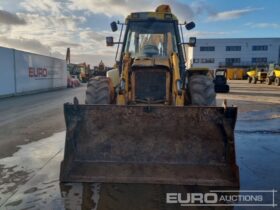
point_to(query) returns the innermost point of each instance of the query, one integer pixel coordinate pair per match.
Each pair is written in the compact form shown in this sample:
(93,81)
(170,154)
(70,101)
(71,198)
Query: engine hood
(151,62)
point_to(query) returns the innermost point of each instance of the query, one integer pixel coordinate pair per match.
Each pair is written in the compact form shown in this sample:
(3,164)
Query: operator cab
(150,39)
(152,56)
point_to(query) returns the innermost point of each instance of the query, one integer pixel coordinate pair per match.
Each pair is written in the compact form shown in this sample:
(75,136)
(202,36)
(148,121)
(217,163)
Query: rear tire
(202,91)
(98,91)
(277,81)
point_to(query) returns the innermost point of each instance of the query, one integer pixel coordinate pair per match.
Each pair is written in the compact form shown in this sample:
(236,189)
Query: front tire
(249,79)
(254,80)
(98,91)
(202,91)
(268,81)
(277,81)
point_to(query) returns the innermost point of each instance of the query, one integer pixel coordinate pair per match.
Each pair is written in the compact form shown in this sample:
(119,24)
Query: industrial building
(233,52)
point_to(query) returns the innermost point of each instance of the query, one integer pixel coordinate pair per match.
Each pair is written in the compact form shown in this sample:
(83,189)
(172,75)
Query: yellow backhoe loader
(151,120)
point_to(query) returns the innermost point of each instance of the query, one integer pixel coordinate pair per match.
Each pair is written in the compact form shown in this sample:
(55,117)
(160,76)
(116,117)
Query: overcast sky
(50,26)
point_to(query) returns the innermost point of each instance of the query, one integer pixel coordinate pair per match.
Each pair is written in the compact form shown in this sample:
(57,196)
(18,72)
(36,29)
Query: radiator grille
(150,85)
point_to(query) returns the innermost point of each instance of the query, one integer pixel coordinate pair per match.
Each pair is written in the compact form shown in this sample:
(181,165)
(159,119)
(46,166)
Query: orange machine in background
(236,73)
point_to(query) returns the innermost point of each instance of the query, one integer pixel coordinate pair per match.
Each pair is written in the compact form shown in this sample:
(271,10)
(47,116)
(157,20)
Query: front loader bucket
(150,144)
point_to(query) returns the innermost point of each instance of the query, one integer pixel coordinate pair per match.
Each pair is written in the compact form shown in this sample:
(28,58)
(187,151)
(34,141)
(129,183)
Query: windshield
(220,73)
(149,39)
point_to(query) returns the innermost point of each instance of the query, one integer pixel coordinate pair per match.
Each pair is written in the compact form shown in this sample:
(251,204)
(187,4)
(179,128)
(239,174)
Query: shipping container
(7,72)
(24,72)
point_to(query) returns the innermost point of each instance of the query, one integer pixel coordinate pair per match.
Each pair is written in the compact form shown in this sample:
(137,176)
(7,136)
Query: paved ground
(29,118)
(251,97)
(29,173)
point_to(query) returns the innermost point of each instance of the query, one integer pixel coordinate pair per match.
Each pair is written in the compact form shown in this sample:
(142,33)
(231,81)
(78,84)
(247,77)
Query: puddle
(30,178)
(18,169)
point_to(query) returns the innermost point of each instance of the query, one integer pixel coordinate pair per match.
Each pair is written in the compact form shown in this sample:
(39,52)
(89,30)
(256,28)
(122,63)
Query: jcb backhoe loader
(150,120)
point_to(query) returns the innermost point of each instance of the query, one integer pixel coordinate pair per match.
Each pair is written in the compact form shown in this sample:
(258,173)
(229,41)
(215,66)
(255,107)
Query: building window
(195,60)
(259,60)
(207,48)
(260,48)
(207,60)
(232,60)
(233,48)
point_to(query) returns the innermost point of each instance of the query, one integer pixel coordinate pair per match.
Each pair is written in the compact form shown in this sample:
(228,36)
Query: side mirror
(190,25)
(192,41)
(109,41)
(114,26)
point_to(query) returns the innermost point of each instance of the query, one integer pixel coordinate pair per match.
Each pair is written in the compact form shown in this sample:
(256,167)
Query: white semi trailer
(23,72)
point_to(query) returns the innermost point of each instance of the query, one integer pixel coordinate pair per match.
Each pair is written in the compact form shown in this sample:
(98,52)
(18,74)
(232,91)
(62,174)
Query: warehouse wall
(7,73)
(23,72)
(246,53)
